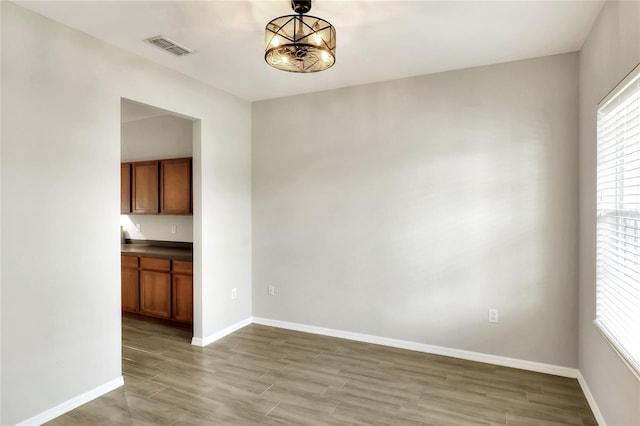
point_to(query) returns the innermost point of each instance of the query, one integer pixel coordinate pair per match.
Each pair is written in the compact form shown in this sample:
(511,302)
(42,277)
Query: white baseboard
(197,341)
(73,403)
(591,400)
(422,347)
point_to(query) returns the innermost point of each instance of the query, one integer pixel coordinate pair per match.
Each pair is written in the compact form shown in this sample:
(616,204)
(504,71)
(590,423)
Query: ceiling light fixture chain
(300,43)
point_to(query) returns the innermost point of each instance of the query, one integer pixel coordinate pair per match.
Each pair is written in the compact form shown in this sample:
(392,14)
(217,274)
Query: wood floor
(261,376)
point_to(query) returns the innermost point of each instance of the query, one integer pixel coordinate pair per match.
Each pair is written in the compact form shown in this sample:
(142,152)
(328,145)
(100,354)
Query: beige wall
(611,51)
(407,209)
(61,93)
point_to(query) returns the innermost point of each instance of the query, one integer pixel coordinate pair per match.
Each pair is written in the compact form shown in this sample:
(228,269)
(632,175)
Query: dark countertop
(158,249)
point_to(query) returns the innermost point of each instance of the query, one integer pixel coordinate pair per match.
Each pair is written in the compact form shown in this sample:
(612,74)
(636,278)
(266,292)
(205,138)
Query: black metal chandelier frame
(300,43)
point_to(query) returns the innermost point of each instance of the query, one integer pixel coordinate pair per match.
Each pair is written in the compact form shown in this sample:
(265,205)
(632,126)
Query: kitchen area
(156,215)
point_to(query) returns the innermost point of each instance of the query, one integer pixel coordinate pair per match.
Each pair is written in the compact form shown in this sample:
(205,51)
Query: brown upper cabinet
(156,187)
(144,187)
(125,188)
(175,186)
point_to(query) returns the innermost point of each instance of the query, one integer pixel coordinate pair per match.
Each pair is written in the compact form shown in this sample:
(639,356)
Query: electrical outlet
(493,315)
(272,290)
(234,293)
(174,228)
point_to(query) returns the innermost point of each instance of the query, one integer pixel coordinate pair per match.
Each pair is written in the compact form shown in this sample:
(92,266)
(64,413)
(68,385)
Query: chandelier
(300,43)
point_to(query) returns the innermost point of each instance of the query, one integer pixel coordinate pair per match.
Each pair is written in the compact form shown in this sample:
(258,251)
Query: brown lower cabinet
(129,284)
(158,288)
(182,286)
(155,294)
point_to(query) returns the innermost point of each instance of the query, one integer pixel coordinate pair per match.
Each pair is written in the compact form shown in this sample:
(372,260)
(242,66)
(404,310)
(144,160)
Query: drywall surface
(407,209)
(610,52)
(60,206)
(157,138)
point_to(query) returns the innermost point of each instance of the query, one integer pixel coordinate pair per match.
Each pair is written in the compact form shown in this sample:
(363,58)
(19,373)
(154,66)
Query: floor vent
(169,45)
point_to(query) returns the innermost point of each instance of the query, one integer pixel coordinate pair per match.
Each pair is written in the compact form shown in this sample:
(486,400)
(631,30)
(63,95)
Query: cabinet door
(155,293)
(175,186)
(144,187)
(183,298)
(125,188)
(129,289)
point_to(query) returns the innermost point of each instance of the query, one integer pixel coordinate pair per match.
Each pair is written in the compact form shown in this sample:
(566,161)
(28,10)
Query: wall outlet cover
(493,315)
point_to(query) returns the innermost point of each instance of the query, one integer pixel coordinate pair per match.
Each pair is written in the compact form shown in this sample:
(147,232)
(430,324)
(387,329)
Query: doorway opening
(157,148)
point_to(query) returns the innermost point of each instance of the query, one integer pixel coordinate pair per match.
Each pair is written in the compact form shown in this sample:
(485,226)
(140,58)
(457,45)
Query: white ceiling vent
(169,45)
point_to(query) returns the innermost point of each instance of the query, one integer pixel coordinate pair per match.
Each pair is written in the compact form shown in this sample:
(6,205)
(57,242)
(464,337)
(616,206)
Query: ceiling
(377,40)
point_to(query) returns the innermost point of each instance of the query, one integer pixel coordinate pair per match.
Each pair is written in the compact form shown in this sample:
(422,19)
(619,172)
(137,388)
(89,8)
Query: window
(618,219)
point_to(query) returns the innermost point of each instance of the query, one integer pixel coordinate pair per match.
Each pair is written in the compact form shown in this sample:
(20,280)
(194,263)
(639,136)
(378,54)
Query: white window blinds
(618,219)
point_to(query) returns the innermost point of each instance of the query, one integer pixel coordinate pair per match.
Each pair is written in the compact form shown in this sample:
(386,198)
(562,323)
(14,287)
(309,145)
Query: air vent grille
(169,45)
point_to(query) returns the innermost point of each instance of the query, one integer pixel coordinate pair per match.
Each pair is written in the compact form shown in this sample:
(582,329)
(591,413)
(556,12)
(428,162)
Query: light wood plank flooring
(261,376)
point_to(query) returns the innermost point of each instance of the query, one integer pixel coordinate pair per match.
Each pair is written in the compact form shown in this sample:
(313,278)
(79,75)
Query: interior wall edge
(610,52)
(207,340)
